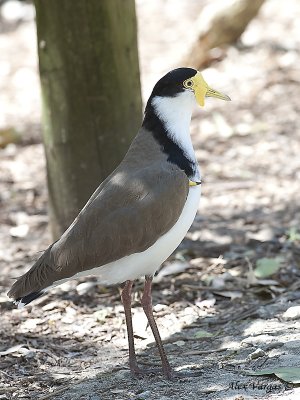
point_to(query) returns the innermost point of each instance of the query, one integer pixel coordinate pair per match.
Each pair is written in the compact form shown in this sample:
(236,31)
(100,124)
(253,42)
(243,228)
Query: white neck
(176,114)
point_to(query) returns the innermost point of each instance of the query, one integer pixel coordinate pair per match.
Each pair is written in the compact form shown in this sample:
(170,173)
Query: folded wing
(129,214)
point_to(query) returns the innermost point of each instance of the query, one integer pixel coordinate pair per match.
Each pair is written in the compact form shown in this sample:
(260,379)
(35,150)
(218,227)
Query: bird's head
(186,81)
(169,110)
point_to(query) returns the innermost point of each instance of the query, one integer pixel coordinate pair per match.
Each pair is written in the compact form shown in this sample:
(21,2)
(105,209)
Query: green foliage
(266,267)
(287,374)
(293,234)
(203,334)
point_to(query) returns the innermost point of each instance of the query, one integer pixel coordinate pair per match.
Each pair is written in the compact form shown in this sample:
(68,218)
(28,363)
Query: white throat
(176,114)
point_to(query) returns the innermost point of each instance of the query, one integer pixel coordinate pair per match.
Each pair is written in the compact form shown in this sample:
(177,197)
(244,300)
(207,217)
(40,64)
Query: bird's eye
(188,83)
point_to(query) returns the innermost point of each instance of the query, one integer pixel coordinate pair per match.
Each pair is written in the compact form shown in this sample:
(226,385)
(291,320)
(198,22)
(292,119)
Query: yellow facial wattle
(201,89)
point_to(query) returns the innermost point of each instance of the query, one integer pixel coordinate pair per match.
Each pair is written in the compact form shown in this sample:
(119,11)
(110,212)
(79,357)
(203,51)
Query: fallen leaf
(85,287)
(11,350)
(19,231)
(202,334)
(100,315)
(287,374)
(173,268)
(256,354)
(267,266)
(7,136)
(50,306)
(180,343)
(218,282)
(267,282)
(291,313)
(232,294)
(293,234)
(30,324)
(208,303)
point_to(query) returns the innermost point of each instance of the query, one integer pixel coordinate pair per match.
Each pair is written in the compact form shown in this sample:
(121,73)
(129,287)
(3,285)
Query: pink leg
(126,300)
(147,306)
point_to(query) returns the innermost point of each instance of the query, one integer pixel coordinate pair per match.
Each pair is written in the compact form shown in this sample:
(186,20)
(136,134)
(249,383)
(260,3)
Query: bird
(139,214)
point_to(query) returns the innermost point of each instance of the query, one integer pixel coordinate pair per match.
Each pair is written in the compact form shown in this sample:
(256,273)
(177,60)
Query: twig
(201,352)
(196,287)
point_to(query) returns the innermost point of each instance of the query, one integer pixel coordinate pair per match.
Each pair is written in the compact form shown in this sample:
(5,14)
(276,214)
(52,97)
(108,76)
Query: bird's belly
(147,262)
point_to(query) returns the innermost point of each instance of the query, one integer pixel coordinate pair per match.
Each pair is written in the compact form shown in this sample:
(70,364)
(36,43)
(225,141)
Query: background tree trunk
(91,96)
(220,23)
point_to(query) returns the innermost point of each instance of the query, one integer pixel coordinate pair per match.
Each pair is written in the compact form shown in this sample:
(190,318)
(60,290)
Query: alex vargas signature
(260,385)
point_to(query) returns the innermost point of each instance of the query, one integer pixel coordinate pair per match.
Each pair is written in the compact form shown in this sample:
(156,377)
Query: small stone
(159,307)
(257,340)
(143,395)
(256,354)
(218,283)
(30,354)
(66,286)
(179,343)
(85,287)
(292,313)
(70,311)
(117,391)
(140,323)
(50,306)
(19,231)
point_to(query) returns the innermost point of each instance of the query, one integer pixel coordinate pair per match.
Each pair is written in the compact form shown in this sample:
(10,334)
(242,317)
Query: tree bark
(91,97)
(220,23)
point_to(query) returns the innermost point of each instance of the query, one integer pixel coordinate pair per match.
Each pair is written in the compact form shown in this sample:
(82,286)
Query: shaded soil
(215,316)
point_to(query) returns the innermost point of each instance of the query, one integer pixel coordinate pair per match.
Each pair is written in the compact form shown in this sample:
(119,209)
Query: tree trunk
(220,23)
(91,96)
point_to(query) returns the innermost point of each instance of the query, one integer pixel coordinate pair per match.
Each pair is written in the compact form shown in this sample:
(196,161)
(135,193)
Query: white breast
(147,262)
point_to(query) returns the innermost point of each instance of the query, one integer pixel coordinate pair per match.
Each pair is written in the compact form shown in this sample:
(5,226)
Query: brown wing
(127,216)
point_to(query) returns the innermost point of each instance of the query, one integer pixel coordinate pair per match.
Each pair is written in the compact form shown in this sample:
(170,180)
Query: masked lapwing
(138,215)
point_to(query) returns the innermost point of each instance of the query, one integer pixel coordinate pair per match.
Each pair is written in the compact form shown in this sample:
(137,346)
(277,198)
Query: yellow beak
(214,93)
(202,90)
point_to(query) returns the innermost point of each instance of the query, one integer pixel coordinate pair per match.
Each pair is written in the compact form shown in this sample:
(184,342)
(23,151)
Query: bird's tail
(33,284)
(23,301)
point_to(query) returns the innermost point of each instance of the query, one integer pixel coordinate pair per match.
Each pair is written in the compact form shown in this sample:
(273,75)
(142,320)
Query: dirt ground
(217,317)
